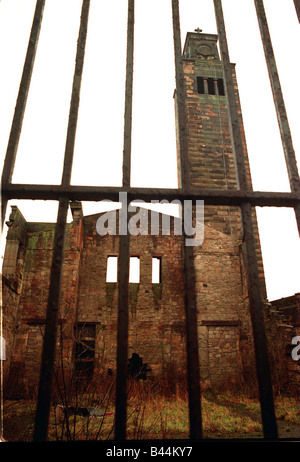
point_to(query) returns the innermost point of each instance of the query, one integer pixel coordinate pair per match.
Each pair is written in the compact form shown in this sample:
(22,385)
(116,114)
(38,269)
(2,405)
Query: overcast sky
(99,141)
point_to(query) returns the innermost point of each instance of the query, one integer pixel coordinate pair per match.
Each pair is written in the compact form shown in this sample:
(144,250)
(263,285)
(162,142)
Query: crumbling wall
(26,336)
(156,310)
(10,303)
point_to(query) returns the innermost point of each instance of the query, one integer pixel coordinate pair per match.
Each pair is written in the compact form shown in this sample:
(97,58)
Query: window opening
(221,89)
(200,85)
(112,269)
(156,270)
(134,269)
(211,86)
(2,349)
(85,335)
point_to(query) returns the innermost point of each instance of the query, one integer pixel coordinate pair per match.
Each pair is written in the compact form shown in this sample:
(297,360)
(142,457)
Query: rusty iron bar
(128,95)
(255,299)
(122,339)
(297,6)
(49,345)
(20,107)
(98,193)
(124,245)
(50,335)
(282,117)
(192,349)
(183,164)
(14,137)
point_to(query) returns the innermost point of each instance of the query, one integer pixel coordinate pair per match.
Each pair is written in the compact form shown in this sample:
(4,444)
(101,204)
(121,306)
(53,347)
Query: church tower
(211,160)
(224,327)
(210,153)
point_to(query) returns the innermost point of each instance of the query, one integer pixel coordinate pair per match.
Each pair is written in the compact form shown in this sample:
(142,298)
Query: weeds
(153,412)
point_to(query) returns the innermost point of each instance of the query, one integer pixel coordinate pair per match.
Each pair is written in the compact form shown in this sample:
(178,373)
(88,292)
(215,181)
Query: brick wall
(156,311)
(211,158)
(10,297)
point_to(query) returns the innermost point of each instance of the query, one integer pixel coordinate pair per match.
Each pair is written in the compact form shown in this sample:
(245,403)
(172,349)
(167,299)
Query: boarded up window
(85,335)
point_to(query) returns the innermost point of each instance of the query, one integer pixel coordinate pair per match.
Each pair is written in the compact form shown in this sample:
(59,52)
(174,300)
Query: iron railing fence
(243,197)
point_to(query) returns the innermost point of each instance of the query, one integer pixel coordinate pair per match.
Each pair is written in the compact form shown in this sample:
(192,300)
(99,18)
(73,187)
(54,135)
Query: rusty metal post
(12,147)
(282,118)
(18,117)
(193,372)
(255,299)
(49,346)
(98,193)
(192,347)
(50,335)
(122,338)
(180,101)
(124,245)
(128,95)
(297,6)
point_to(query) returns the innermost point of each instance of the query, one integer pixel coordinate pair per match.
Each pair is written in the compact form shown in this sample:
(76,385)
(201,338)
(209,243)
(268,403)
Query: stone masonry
(86,344)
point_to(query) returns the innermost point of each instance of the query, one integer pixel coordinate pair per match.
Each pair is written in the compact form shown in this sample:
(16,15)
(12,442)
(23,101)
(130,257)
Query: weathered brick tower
(222,299)
(88,306)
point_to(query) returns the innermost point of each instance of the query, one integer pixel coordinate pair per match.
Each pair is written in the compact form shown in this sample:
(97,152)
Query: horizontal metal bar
(100,193)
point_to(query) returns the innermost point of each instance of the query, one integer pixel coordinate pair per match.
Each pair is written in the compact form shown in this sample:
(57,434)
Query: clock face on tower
(205,52)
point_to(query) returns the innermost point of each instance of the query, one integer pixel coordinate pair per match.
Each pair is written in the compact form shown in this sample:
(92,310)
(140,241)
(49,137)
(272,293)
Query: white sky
(99,141)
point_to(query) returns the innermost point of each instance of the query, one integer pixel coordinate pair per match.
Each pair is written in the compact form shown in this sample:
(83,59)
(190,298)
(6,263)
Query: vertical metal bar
(192,347)
(255,300)
(128,95)
(180,100)
(14,138)
(16,127)
(282,118)
(122,339)
(193,372)
(297,6)
(49,346)
(124,245)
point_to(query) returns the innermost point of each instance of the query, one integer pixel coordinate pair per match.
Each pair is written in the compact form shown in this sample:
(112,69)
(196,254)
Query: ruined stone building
(88,307)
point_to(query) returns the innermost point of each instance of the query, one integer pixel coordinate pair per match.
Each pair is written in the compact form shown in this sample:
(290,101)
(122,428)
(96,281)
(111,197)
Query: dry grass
(155,415)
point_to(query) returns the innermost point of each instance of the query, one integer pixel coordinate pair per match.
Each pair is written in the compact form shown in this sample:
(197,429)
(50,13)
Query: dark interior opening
(221,88)
(211,86)
(136,368)
(200,85)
